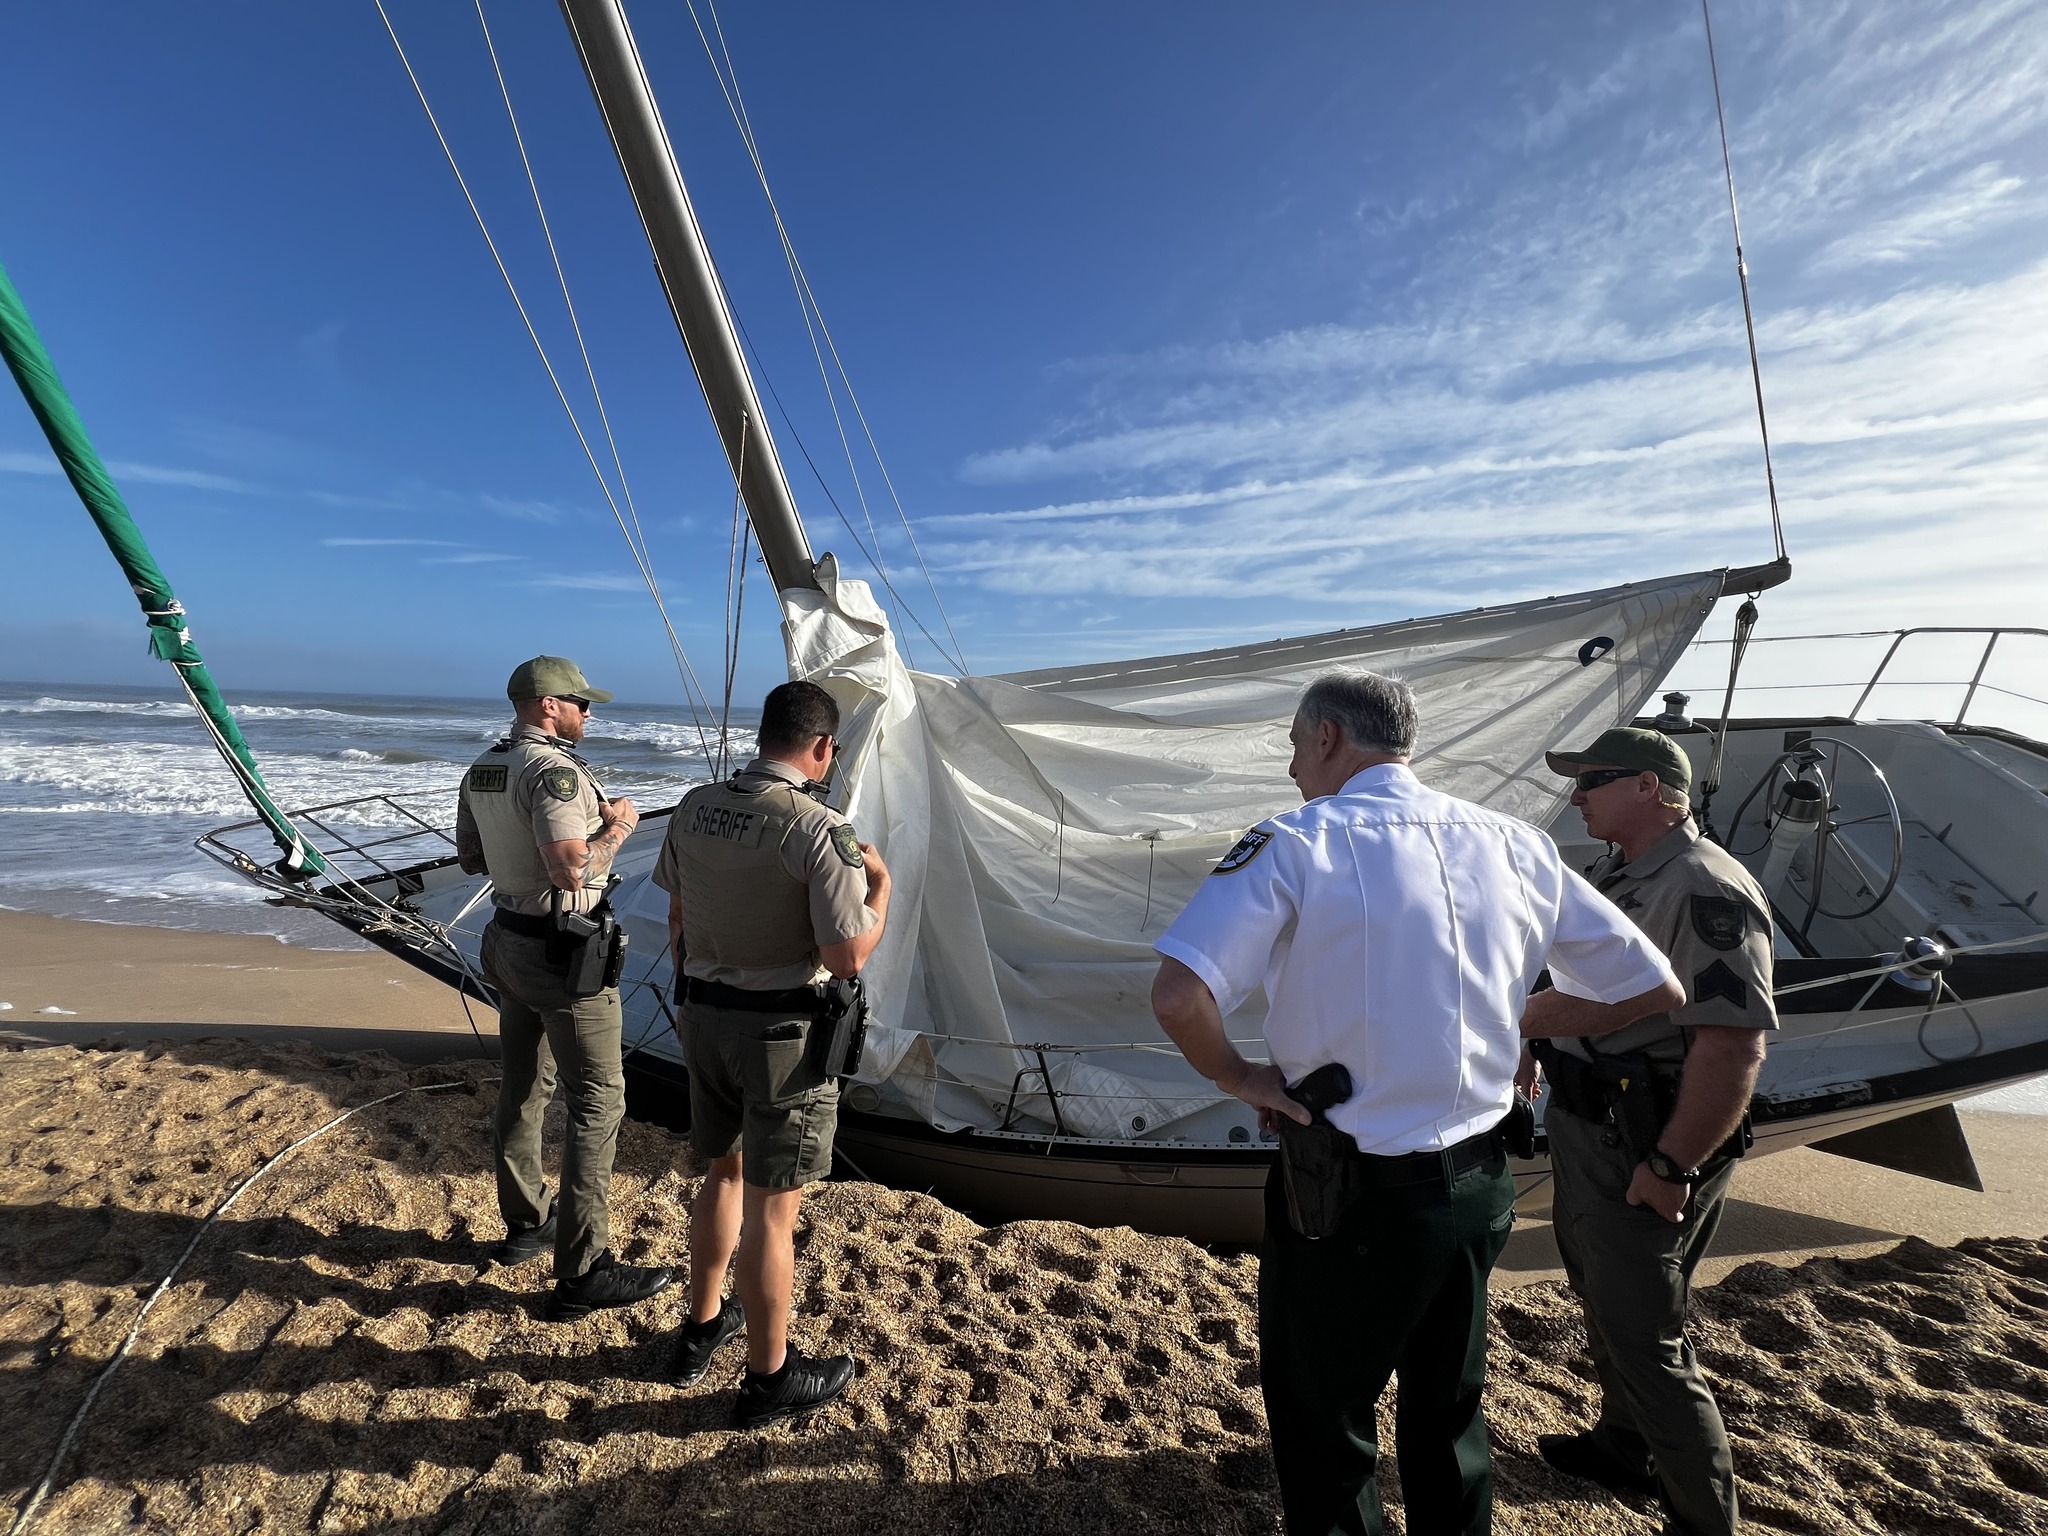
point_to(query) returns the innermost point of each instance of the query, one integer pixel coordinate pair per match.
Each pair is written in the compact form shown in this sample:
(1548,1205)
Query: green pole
(169,638)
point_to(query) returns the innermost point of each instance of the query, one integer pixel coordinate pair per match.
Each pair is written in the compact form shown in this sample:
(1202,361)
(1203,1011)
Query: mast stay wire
(762,373)
(807,303)
(575,424)
(693,689)
(1756,374)
(736,557)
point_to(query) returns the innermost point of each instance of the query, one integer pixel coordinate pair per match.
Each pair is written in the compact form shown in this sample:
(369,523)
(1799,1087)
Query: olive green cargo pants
(542,1032)
(1400,1286)
(1633,1271)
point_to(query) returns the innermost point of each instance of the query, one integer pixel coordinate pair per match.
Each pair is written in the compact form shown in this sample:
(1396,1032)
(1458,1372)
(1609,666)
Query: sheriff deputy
(1633,1221)
(1397,932)
(771,894)
(533,818)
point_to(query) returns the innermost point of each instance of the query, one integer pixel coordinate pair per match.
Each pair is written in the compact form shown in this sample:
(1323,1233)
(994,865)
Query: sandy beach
(334,1357)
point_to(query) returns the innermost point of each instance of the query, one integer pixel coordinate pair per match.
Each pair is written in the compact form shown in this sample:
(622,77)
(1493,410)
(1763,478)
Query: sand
(335,1359)
(119,974)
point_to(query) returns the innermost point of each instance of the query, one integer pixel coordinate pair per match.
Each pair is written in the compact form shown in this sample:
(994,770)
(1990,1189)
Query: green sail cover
(169,638)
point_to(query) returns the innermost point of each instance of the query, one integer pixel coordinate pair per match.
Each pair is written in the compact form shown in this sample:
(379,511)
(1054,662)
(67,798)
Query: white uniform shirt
(1399,930)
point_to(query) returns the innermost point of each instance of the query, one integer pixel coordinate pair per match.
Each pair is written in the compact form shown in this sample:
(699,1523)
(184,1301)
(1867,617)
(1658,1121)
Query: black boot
(698,1342)
(524,1243)
(607,1283)
(804,1382)
(1584,1456)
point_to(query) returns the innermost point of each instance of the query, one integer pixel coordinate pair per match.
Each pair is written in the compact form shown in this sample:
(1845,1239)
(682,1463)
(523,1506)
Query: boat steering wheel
(1810,763)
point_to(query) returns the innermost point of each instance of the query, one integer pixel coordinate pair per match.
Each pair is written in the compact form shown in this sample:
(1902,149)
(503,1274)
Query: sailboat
(1044,826)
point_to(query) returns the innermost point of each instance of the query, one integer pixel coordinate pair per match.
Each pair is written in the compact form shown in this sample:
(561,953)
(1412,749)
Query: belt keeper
(1443,1159)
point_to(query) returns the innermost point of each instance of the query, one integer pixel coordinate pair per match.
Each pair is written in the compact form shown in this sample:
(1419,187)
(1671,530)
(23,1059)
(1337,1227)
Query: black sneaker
(804,1382)
(1583,1456)
(607,1283)
(698,1342)
(524,1243)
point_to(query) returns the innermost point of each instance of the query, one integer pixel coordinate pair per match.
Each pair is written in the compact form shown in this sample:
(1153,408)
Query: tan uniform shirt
(766,875)
(1710,917)
(527,790)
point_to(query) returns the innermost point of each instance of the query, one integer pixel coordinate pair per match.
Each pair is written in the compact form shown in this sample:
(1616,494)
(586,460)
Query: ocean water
(104,789)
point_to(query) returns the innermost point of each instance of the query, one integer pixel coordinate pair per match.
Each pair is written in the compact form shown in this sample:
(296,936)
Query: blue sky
(1176,324)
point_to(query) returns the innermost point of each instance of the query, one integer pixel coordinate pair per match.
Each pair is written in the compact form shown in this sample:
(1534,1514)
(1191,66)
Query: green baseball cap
(1629,746)
(552,677)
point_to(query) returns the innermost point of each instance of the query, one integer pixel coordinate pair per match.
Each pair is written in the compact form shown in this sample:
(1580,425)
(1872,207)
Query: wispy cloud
(16,462)
(525,511)
(472,557)
(598,583)
(1562,399)
(390,543)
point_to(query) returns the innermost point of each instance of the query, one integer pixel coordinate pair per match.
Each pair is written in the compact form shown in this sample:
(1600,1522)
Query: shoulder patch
(488,778)
(562,783)
(1720,921)
(846,843)
(1247,848)
(1717,980)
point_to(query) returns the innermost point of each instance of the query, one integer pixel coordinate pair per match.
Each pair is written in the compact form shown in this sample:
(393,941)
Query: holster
(590,947)
(1319,1165)
(839,1029)
(1518,1130)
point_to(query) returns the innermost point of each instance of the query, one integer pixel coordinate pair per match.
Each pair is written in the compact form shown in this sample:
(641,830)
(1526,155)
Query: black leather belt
(1431,1167)
(525,926)
(716,994)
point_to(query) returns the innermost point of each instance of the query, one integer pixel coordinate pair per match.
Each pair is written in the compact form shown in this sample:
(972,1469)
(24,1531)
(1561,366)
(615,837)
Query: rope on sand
(33,1507)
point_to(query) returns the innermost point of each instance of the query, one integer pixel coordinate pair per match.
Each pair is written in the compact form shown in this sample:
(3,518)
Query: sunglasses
(583,705)
(1593,778)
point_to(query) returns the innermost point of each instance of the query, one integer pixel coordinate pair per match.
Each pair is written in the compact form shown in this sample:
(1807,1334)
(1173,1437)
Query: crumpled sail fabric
(1043,828)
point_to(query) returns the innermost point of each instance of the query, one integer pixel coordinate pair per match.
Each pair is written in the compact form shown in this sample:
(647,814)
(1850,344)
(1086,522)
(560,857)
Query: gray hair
(1375,713)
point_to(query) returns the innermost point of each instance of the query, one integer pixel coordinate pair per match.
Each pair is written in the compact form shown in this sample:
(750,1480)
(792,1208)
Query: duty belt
(1430,1167)
(716,994)
(523,924)
(1581,1089)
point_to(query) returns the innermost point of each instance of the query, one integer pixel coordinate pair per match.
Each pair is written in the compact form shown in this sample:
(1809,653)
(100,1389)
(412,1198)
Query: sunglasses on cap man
(582,705)
(1594,778)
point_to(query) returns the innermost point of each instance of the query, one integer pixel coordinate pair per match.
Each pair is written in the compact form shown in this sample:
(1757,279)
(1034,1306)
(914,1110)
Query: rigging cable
(575,425)
(807,303)
(1756,374)
(692,689)
(762,374)
(735,578)
(27,1515)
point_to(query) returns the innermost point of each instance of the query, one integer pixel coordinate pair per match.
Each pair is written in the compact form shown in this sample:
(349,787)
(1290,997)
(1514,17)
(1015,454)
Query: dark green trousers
(1633,1271)
(1400,1287)
(544,1033)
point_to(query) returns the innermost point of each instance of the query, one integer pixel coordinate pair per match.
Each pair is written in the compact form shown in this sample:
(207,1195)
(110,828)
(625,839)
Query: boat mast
(611,61)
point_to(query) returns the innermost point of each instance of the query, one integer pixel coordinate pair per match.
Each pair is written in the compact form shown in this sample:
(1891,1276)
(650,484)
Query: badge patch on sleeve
(846,843)
(1720,921)
(1247,848)
(1717,980)
(562,783)
(488,778)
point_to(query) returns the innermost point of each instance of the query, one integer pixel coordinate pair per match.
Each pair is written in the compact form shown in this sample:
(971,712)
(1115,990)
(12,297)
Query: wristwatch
(1669,1171)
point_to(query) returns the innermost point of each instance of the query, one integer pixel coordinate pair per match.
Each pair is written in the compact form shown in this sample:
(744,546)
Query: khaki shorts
(751,1087)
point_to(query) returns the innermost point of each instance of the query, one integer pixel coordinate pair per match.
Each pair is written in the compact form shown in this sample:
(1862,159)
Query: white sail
(1043,828)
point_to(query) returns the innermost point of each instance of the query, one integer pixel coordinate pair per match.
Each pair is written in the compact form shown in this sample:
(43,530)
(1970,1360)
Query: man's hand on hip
(1265,1089)
(1660,1195)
